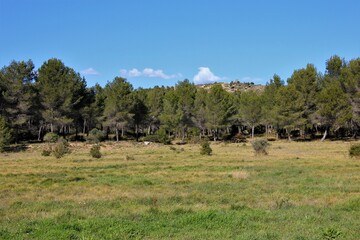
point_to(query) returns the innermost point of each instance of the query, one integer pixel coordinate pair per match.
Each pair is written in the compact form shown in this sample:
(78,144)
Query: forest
(55,98)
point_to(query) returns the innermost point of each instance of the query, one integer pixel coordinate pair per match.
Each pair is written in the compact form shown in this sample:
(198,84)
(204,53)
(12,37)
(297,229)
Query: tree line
(55,98)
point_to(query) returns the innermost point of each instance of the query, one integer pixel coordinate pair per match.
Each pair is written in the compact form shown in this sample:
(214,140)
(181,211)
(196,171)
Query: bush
(260,146)
(61,148)
(331,233)
(160,137)
(95,136)
(163,136)
(46,153)
(51,137)
(95,151)
(205,148)
(355,150)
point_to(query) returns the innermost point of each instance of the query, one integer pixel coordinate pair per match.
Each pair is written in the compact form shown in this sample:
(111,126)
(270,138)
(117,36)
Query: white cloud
(147,72)
(206,76)
(89,71)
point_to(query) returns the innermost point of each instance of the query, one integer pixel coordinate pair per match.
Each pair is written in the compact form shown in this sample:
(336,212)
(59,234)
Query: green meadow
(300,190)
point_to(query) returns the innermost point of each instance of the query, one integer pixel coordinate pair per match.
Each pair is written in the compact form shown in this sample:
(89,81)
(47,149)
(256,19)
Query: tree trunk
(84,127)
(182,134)
(149,130)
(117,134)
(252,131)
(39,134)
(51,127)
(122,132)
(289,135)
(266,130)
(324,136)
(137,132)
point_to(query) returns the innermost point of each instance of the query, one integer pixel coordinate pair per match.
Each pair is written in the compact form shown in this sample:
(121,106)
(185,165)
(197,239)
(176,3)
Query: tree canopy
(55,98)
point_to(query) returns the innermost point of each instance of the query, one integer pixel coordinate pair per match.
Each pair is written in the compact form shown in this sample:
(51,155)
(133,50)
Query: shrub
(331,233)
(51,137)
(61,148)
(128,157)
(161,137)
(260,146)
(95,136)
(46,153)
(95,151)
(205,148)
(355,150)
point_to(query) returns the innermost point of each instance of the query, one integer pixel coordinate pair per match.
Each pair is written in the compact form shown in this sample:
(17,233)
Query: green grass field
(299,191)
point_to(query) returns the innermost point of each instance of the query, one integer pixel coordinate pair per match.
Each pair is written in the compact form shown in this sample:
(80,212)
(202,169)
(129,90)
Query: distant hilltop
(236,86)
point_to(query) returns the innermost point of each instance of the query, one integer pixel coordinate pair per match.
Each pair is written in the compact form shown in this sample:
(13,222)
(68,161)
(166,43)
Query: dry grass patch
(240,175)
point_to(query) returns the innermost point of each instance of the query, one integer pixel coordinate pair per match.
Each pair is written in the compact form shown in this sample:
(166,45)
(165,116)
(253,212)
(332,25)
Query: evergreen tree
(185,92)
(219,109)
(289,109)
(269,101)
(155,104)
(118,105)
(18,101)
(334,109)
(350,82)
(169,118)
(62,92)
(5,134)
(139,111)
(251,109)
(200,110)
(306,82)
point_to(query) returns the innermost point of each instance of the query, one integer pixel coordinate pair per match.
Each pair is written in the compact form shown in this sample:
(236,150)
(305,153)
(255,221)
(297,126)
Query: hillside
(236,86)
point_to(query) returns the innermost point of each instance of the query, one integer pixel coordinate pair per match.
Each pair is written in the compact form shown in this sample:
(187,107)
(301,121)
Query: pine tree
(5,134)
(62,92)
(251,109)
(118,105)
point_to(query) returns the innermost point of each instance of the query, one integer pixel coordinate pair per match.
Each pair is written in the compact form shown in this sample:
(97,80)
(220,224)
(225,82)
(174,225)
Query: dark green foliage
(51,137)
(95,136)
(5,134)
(205,148)
(61,148)
(55,98)
(160,137)
(331,233)
(95,151)
(163,136)
(355,150)
(251,109)
(260,146)
(18,97)
(61,91)
(46,153)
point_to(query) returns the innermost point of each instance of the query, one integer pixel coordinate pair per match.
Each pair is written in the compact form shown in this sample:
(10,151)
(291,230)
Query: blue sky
(160,42)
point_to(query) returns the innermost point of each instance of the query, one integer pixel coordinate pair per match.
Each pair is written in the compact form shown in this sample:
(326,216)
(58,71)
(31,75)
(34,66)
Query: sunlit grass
(134,191)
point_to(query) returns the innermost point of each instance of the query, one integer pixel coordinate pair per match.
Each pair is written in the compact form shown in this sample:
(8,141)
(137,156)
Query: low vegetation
(298,191)
(355,150)
(95,151)
(260,146)
(205,148)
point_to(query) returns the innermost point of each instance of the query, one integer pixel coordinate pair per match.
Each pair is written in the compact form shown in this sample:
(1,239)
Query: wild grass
(307,190)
